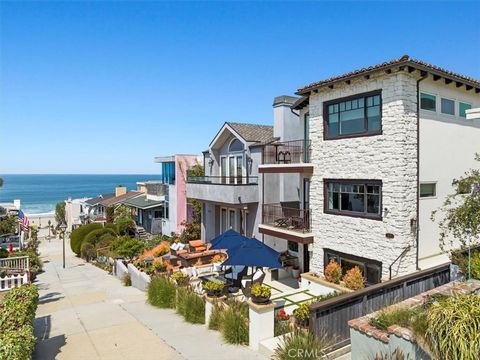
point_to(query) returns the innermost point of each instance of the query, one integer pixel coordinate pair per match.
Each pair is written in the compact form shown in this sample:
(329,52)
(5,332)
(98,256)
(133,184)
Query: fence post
(261,321)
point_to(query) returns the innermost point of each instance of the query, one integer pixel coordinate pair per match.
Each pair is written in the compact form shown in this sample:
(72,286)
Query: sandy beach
(41,221)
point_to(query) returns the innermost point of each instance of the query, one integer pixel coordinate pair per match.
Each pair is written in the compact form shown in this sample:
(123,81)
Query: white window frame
(428,183)
(235,218)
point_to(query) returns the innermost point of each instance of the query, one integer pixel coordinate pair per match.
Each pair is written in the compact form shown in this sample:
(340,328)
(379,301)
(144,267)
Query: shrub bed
(79,234)
(161,292)
(17,312)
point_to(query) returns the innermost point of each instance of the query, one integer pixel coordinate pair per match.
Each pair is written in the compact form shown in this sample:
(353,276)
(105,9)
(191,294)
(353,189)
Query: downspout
(424,75)
(294,113)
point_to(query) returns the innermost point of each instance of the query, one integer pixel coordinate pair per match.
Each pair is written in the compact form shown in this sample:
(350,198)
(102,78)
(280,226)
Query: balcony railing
(287,152)
(285,216)
(223,180)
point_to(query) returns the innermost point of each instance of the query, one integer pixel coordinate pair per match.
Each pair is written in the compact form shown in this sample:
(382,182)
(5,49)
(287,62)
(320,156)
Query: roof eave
(305,91)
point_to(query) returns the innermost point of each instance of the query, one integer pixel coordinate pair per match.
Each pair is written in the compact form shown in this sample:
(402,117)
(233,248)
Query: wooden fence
(330,318)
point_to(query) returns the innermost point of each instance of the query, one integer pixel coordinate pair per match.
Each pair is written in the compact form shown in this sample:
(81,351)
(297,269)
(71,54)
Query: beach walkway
(84,313)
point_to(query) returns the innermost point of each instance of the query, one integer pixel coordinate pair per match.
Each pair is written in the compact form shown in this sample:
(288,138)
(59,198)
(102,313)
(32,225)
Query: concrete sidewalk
(84,313)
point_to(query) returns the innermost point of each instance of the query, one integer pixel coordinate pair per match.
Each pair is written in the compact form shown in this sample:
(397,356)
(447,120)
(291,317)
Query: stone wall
(390,157)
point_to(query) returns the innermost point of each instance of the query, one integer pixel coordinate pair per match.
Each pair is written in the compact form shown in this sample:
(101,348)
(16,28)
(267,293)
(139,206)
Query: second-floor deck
(286,156)
(223,189)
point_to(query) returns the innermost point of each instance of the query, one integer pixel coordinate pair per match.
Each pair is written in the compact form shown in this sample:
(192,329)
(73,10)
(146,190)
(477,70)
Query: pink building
(174,174)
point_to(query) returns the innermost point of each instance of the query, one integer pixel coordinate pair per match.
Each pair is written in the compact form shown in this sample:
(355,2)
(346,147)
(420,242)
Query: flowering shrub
(333,272)
(353,279)
(260,290)
(218,258)
(282,315)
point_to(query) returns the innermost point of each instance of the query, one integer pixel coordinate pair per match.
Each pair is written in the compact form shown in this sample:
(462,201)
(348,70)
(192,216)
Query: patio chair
(235,276)
(248,280)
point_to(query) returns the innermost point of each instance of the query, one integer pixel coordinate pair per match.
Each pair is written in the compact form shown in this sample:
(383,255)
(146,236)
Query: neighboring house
(172,190)
(256,182)
(75,212)
(93,209)
(10,208)
(387,142)
(229,189)
(151,208)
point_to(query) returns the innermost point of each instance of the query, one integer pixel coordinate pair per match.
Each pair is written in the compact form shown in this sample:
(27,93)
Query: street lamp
(49,228)
(63,228)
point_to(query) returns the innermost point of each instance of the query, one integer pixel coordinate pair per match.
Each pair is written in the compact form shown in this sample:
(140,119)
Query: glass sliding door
(223,221)
(231,169)
(231,219)
(223,169)
(239,169)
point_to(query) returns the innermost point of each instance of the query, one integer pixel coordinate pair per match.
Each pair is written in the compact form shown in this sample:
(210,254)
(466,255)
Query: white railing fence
(15,263)
(12,281)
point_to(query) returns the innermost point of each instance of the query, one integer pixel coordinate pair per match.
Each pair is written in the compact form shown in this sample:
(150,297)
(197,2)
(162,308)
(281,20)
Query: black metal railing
(287,152)
(223,180)
(287,215)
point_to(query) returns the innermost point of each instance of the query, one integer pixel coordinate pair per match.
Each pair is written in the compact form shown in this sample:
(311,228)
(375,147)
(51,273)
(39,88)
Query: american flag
(23,221)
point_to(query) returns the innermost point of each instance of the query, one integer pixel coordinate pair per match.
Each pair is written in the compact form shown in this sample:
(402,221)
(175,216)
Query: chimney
(285,123)
(120,190)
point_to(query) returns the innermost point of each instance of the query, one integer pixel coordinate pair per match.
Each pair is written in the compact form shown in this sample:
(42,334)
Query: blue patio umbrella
(230,239)
(252,252)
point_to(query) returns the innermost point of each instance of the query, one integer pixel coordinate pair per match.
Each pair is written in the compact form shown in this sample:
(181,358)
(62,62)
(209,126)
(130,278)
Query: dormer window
(359,115)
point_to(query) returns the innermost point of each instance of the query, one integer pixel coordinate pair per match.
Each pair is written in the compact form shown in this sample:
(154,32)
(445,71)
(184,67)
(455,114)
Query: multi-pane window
(428,102)
(355,116)
(428,190)
(448,106)
(462,108)
(354,198)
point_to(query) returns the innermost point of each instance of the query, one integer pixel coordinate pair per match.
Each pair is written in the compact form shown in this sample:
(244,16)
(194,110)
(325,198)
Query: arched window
(235,145)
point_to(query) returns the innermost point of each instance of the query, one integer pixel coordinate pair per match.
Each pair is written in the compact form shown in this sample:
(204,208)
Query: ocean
(39,193)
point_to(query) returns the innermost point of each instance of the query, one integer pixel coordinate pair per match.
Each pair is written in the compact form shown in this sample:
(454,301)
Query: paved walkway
(84,313)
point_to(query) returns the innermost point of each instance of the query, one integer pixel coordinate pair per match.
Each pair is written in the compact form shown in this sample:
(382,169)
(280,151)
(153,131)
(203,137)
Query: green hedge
(79,234)
(17,312)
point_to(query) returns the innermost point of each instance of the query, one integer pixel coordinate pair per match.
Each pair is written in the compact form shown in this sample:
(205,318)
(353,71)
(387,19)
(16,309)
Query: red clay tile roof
(402,61)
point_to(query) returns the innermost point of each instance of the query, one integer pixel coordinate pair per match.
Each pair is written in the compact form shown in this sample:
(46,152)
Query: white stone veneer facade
(390,157)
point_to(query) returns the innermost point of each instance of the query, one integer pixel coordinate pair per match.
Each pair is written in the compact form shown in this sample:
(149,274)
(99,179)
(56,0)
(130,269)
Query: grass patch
(401,316)
(234,327)
(194,309)
(301,345)
(161,293)
(215,317)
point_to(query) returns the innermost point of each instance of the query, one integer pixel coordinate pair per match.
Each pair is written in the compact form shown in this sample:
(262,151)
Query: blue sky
(103,87)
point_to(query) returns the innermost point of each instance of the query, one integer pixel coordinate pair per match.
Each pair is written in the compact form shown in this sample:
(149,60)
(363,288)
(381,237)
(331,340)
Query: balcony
(287,221)
(286,156)
(234,190)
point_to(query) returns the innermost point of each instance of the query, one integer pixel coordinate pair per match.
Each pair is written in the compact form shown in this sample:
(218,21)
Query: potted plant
(159,266)
(179,278)
(302,314)
(260,293)
(214,288)
(283,317)
(295,271)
